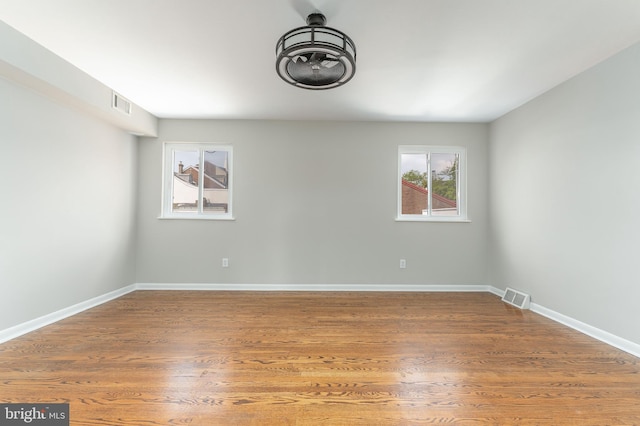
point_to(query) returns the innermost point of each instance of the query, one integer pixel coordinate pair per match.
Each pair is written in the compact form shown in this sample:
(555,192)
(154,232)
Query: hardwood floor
(288,358)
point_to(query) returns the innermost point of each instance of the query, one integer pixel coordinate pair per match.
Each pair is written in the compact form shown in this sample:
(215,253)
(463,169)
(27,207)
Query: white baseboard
(603,336)
(498,292)
(26,327)
(314,287)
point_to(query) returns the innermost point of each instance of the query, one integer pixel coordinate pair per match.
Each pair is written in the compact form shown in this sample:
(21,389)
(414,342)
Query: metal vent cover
(516,298)
(121,104)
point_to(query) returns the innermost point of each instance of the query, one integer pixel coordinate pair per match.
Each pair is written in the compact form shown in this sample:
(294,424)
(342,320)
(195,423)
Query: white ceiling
(417,60)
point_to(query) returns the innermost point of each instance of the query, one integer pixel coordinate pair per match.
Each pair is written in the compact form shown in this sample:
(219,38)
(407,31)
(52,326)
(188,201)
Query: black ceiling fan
(315,56)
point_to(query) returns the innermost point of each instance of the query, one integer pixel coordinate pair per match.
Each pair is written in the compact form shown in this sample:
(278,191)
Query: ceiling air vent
(121,104)
(516,298)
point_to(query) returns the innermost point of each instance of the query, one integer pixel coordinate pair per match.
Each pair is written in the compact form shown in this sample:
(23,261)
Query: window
(432,183)
(197,181)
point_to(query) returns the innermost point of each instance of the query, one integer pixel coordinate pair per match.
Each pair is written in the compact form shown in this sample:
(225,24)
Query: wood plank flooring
(293,358)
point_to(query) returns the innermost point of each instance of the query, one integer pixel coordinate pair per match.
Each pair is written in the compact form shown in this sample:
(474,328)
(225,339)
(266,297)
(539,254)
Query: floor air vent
(516,298)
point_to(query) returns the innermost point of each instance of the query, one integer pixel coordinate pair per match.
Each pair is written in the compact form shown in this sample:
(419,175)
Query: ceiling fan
(315,56)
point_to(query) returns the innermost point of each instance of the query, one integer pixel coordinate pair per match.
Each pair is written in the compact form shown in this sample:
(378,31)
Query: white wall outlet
(225,262)
(403,263)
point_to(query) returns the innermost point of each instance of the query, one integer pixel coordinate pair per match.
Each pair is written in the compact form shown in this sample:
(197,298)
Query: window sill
(418,218)
(229,218)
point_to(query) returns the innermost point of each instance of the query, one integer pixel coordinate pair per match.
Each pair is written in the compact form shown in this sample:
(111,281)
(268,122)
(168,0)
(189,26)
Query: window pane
(414,183)
(185,181)
(444,182)
(216,182)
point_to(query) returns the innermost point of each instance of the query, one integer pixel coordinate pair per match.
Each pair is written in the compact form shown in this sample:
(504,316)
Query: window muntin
(431,183)
(189,194)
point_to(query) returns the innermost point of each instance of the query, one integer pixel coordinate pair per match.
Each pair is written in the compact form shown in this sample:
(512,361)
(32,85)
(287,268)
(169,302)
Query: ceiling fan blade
(329,63)
(323,59)
(301,58)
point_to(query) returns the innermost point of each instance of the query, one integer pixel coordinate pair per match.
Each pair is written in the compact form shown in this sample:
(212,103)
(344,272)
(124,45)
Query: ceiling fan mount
(315,57)
(316,18)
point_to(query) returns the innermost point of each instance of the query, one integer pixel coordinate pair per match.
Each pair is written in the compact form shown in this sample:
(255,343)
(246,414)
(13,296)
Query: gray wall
(68,206)
(565,197)
(315,203)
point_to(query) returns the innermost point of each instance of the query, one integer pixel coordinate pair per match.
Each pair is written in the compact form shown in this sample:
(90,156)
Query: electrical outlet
(403,263)
(225,262)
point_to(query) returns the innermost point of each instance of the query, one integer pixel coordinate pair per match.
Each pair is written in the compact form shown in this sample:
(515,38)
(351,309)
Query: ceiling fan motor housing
(315,57)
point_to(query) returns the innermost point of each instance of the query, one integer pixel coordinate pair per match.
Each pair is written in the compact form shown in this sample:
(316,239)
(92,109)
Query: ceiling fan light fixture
(315,57)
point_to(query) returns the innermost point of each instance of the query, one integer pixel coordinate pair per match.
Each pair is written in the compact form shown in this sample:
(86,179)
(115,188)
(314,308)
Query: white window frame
(461,196)
(169,149)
